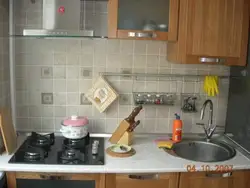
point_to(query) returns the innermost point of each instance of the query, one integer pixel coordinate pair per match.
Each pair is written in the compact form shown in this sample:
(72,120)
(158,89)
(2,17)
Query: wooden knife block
(127,138)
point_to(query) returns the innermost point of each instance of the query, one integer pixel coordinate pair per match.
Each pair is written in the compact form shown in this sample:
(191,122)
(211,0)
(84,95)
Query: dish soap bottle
(177,129)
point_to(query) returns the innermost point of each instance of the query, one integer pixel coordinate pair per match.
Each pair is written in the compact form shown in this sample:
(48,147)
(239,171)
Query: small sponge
(165,144)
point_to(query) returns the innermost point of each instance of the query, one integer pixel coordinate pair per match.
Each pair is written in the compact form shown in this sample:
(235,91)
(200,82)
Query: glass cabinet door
(143,19)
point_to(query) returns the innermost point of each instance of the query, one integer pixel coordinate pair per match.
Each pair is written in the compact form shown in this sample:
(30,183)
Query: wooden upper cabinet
(238,179)
(143,19)
(213,32)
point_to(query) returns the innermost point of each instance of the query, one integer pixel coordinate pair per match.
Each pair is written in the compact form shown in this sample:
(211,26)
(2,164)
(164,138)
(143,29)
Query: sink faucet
(209,130)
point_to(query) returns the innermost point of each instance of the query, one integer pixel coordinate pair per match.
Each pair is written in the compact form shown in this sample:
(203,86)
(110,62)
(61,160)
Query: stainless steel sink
(203,151)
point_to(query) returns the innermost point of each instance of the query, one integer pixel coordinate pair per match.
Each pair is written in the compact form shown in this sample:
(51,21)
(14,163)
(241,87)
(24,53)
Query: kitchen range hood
(70,18)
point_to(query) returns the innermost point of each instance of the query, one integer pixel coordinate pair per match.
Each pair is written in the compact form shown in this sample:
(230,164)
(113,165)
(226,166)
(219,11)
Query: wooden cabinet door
(143,19)
(238,179)
(218,30)
(167,180)
(212,32)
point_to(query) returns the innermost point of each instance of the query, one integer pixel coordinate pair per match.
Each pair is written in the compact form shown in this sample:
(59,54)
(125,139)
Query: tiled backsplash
(4,60)
(52,76)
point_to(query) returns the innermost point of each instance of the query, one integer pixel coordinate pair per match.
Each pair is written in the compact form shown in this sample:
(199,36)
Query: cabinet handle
(144,177)
(211,60)
(219,175)
(48,177)
(142,35)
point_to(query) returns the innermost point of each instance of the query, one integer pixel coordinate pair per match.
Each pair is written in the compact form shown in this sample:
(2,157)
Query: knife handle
(134,113)
(132,128)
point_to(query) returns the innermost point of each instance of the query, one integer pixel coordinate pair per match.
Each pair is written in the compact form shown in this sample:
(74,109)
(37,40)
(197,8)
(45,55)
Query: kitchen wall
(4,57)
(52,76)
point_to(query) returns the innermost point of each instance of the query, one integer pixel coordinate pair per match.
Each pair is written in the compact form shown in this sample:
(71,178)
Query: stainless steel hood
(70,18)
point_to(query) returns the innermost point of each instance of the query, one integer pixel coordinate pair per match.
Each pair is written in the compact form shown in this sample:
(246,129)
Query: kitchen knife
(132,128)
(134,113)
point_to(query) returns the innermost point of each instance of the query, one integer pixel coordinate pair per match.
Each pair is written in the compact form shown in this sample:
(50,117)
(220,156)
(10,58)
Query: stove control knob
(95,146)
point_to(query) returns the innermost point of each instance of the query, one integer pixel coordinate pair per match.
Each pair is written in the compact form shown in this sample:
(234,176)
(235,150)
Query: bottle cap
(177,116)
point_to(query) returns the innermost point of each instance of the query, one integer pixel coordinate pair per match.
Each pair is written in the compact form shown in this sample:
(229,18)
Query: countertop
(148,159)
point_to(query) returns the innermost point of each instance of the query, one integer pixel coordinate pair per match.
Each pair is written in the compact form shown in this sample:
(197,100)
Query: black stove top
(48,149)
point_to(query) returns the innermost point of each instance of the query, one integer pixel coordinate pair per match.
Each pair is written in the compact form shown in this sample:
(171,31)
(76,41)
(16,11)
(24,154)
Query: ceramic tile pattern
(4,57)
(52,79)
(52,76)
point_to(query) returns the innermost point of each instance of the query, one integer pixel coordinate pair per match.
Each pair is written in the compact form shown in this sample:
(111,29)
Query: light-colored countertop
(148,159)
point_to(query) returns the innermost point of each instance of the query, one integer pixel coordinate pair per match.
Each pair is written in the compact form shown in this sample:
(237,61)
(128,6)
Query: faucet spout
(209,130)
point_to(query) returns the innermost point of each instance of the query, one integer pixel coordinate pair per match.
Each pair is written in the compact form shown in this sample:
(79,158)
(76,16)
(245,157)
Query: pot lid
(75,121)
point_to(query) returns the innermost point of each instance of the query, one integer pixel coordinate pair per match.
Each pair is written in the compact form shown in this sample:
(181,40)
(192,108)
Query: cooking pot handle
(64,131)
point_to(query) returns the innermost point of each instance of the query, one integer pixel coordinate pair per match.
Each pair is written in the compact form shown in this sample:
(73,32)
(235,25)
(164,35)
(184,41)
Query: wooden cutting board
(7,130)
(121,155)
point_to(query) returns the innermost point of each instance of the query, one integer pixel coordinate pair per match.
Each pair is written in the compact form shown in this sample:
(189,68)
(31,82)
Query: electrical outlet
(84,100)
(47,98)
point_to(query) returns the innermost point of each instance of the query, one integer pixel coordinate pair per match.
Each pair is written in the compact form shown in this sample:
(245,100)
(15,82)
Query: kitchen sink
(202,151)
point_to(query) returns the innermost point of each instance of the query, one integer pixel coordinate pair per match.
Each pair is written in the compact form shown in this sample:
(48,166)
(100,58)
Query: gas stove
(52,150)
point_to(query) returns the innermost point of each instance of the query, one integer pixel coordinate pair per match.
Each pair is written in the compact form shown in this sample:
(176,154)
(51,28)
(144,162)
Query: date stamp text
(210,168)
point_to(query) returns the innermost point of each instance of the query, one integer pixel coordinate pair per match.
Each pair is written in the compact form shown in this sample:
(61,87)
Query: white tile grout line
(53,78)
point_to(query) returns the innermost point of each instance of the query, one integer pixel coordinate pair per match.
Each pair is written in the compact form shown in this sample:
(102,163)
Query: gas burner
(76,143)
(70,156)
(34,154)
(43,141)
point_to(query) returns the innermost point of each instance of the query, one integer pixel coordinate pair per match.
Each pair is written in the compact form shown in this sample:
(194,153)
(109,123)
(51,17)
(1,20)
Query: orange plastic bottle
(177,129)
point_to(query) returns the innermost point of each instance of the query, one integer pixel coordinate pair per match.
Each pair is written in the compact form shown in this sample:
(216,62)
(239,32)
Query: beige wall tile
(22,111)
(111,125)
(35,111)
(60,59)
(72,110)
(59,85)
(87,46)
(153,48)
(113,46)
(140,47)
(48,111)
(73,99)
(59,72)
(48,124)
(86,60)
(153,61)
(35,124)
(72,85)
(72,73)
(127,46)
(74,58)
(60,98)
(140,61)
(60,111)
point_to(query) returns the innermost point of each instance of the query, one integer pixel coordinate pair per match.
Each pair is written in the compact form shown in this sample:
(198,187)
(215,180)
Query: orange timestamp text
(209,168)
